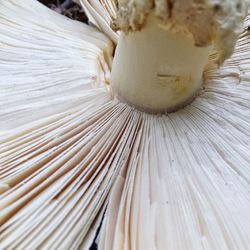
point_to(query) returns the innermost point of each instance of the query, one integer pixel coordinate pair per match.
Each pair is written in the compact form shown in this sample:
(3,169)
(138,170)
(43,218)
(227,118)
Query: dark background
(67,8)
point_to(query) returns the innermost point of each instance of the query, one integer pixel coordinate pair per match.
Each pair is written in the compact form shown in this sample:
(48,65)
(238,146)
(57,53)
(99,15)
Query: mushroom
(150,150)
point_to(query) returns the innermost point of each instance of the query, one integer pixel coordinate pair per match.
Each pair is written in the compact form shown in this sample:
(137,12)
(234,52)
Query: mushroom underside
(71,157)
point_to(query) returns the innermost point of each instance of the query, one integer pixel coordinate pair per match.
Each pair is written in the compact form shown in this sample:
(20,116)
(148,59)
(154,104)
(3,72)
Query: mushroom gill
(73,159)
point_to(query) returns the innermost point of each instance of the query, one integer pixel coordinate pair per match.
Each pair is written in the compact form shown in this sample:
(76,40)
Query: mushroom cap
(71,157)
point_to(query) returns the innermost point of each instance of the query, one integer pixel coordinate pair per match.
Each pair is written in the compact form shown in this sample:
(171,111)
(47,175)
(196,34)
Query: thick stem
(157,70)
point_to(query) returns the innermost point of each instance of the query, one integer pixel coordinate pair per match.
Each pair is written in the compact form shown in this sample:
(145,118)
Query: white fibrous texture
(214,22)
(100,14)
(72,160)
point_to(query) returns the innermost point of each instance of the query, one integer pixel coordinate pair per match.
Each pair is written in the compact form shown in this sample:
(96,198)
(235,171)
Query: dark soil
(67,8)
